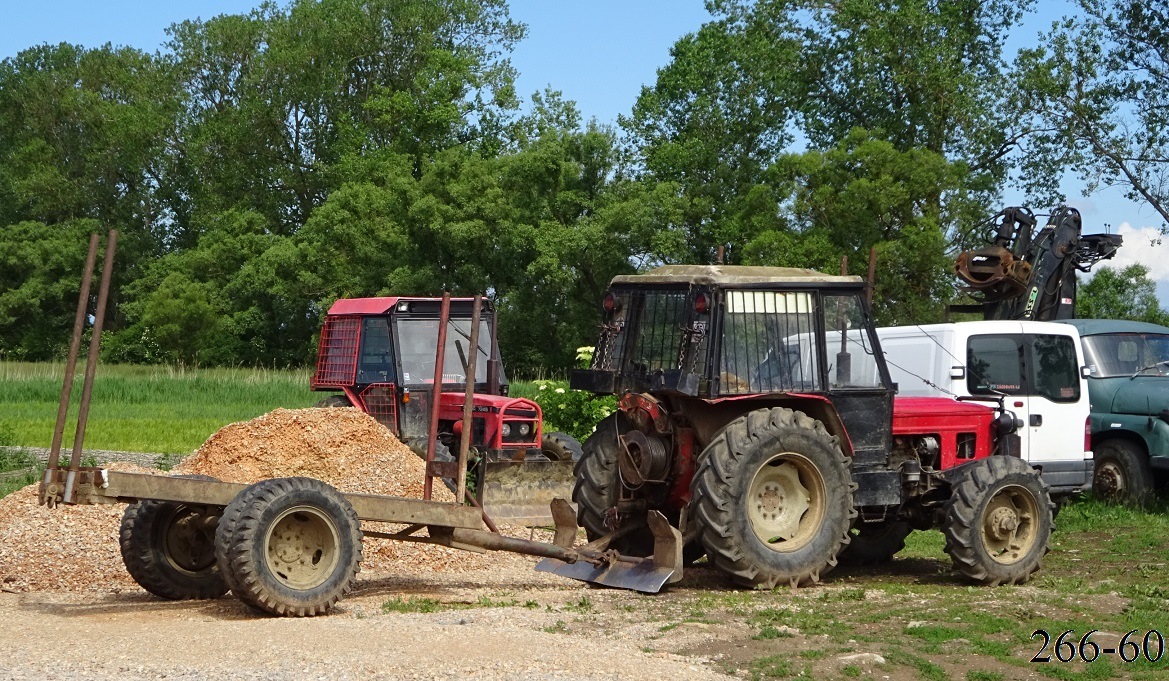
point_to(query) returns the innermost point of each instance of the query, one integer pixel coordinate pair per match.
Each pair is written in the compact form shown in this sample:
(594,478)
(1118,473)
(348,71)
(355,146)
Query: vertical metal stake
(71,362)
(436,394)
(107,270)
(468,400)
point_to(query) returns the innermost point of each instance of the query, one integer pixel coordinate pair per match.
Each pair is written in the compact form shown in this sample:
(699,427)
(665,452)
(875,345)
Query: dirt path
(529,635)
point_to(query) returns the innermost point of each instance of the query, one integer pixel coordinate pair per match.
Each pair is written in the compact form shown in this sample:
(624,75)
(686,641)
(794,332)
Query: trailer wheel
(294,548)
(334,401)
(998,521)
(875,542)
(1123,474)
(561,447)
(773,497)
(169,549)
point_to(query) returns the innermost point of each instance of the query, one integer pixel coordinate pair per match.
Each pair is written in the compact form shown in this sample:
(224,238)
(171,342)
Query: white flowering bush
(571,411)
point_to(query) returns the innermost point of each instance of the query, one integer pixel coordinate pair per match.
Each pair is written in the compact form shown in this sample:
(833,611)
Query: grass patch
(773,667)
(925,669)
(418,605)
(976,675)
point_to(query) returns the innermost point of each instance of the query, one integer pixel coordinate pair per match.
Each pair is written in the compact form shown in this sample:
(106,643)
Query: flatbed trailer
(293,546)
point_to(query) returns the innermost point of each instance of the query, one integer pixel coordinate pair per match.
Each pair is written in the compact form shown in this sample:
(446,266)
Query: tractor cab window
(419,343)
(769,343)
(376,364)
(851,363)
(1124,354)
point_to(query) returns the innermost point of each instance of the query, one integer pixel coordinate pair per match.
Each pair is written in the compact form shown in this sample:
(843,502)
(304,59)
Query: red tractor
(381,353)
(745,422)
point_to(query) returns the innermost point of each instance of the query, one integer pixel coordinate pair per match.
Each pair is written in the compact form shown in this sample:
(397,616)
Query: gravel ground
(131,635)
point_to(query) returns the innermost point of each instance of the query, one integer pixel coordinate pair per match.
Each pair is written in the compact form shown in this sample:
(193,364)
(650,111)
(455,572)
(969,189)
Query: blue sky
(598,52)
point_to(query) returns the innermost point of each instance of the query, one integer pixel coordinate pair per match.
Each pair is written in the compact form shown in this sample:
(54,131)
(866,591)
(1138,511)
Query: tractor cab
(381,353)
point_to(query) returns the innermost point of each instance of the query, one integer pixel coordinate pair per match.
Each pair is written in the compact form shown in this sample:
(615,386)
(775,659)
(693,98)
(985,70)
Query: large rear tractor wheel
(773,499)
(874,543)
(598,486)
(293,548)
(1123,473)
(998,521)
(560,447)
(169,549)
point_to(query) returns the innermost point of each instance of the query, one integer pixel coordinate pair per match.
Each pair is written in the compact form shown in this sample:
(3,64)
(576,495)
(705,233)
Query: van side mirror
(1085,372)
(957,372)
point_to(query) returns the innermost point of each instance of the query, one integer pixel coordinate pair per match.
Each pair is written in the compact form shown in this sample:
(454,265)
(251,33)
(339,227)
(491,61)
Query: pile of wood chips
(75,548)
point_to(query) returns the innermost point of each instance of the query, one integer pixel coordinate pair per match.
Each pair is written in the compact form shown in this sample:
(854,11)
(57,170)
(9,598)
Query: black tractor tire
(334,401)
(558,446)
(598,485)
(224,534)
(294,549)
(998,521)
(169,549)
(743,495)
(1123,473)
(874,543)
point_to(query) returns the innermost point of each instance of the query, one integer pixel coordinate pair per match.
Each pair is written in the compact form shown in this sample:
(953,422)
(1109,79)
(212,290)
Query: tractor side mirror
(957,372)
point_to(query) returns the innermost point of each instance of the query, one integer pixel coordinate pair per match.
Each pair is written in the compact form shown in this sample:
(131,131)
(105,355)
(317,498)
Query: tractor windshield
(419,343)
(769,342)
(1127,354)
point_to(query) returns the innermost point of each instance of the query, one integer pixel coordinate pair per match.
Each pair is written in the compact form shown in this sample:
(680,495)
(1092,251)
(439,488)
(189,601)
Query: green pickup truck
(1129,392)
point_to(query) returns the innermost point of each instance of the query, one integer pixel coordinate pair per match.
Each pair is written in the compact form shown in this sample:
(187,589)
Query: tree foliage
(1123,294)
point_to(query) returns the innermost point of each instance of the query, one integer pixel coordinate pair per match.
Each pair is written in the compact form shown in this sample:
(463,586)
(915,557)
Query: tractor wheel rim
(188,542)
(1010,525)
(302,547)
(786,502)
(1109,480)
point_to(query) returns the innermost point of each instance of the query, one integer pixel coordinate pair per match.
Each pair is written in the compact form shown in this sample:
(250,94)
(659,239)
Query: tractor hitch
(598,564)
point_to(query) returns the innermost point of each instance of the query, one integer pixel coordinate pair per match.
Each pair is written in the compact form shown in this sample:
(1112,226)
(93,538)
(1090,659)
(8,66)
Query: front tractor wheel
(773,499)
(334,401)
(560,447)
(998,521)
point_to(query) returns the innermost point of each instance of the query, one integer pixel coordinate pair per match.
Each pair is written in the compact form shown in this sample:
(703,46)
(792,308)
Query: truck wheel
(773,499)
(294,548)
(169,549)
(334,401)
(998,521)
(561,447)
(875,542)
(1123,473)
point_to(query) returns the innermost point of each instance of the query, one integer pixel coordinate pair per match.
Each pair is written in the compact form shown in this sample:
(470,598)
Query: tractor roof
(377,306)
(731,275)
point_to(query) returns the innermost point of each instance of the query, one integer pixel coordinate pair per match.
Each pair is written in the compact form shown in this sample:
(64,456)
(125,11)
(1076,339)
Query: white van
(1039,366)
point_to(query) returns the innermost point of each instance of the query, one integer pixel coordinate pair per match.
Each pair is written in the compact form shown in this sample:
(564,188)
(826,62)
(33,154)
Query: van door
(1039,373)
(995,365)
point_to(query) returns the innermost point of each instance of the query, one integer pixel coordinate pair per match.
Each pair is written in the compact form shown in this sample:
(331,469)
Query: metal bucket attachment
(522,492)
(609,568)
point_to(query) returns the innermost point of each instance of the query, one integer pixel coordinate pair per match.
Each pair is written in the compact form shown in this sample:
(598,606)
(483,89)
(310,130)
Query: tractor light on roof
(610,303)
(403,306)
(701,303)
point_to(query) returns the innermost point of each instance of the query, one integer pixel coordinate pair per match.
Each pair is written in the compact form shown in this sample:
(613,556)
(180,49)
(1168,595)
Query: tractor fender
(710,416)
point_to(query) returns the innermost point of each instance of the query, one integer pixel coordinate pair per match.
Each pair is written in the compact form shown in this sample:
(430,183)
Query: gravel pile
(76,548)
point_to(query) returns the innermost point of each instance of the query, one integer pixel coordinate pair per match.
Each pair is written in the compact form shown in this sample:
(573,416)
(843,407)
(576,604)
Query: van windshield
(1124,354)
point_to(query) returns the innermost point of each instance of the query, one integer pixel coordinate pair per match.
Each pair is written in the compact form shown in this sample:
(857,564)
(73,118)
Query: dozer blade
(647,575)
(521,492)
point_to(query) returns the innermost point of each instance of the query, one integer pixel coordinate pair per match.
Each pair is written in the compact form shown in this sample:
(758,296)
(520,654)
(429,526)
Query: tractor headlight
(506,430)
(525,428)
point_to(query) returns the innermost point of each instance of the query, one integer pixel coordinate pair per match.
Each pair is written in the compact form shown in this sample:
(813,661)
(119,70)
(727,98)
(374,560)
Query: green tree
(1127,294)
(1101,86)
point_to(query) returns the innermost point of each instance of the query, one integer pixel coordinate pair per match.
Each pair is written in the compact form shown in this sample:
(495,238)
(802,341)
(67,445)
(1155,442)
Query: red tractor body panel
(965,431)
(493,412)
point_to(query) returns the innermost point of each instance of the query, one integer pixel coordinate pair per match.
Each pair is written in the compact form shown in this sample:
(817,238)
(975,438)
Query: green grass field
(144,408)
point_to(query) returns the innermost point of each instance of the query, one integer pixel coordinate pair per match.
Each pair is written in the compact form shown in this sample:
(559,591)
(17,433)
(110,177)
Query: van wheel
(998,521)
(1123,473)
(773,499)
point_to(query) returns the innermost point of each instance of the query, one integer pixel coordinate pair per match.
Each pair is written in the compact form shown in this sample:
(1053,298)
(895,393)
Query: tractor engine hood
(1143,395)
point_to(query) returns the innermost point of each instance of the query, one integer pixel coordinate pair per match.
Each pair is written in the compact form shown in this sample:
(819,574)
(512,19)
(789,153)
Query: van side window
(1054,370)
(994,364)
